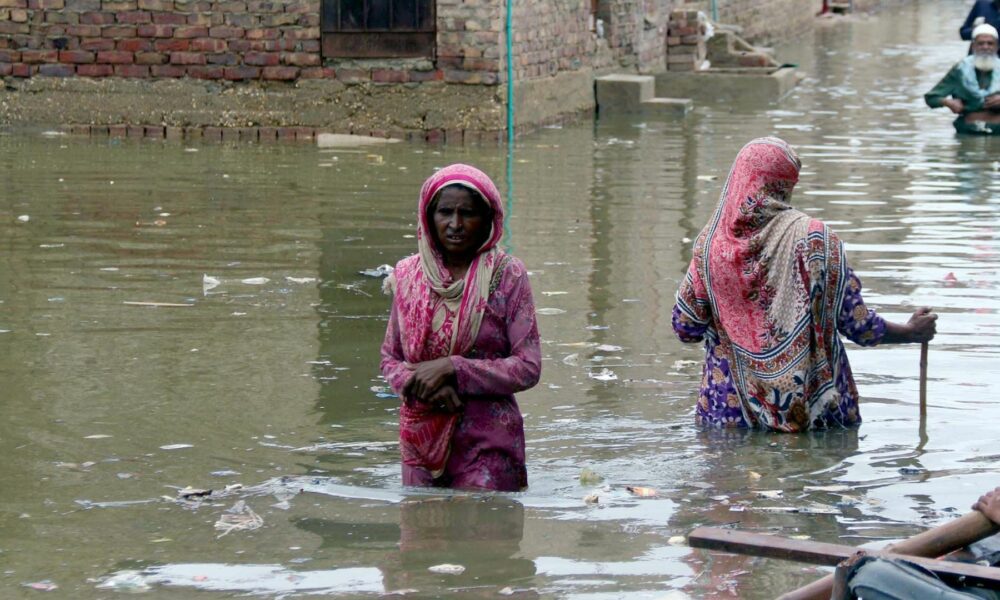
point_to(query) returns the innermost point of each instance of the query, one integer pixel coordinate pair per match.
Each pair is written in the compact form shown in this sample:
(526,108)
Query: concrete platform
(741,87)
(624,94)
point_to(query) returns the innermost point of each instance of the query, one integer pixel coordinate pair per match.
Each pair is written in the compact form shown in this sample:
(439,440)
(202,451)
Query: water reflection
(280,379)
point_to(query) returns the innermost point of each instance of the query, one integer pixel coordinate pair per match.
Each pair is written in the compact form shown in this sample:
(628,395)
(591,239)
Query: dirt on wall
(324,104)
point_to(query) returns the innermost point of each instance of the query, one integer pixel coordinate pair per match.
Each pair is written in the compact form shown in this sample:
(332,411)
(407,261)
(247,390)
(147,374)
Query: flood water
(110,408)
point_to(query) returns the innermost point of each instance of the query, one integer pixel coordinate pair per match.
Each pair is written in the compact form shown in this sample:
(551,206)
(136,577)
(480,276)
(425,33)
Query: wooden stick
(923,380)
(931,543)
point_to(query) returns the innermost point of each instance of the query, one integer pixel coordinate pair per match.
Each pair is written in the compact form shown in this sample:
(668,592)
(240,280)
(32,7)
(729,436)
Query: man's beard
(985,62)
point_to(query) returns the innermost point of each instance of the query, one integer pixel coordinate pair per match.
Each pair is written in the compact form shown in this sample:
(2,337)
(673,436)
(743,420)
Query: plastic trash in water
(238,518)
(42,586)
(641,492)
(208,283)
(447,569)
(379,271)
(603,375)
(301,280)
(176,446)
(125,581)
(255,280)
(23,219)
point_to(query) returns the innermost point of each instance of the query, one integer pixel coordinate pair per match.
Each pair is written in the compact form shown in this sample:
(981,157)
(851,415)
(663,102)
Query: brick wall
(768,21)
(202,39)
(550,37)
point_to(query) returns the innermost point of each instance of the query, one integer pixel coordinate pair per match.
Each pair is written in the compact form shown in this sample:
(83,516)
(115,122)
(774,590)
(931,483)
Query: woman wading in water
(461,340)
(770,292)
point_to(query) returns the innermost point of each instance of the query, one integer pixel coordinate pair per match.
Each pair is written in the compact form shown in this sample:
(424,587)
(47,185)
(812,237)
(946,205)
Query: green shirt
(952,85)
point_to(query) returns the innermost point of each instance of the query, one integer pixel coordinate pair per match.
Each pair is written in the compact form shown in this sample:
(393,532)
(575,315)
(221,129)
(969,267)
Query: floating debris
(125,581)
(301,280)
(224,473)
(379,271)
(176,446)
(41,586)
(571,359)
(677,540)
(770,494)
(383,391)
(23,219)
(209,283)
(588,477)
(609,348)
(591,499)
(96,436)
(603,375)
(238,518)
(190,492)
(641,492)
(158,304)
(255,280)
(833,489)
(683,364)
(447,569)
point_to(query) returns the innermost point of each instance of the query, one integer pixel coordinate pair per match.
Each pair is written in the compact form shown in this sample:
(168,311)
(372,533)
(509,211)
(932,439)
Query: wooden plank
(820,553)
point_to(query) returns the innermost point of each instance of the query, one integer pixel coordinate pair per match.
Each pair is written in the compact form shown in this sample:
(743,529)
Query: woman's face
(460,222)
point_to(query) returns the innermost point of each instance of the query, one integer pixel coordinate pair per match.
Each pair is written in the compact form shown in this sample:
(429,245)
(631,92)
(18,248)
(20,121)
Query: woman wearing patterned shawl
(769,291)
(461,340)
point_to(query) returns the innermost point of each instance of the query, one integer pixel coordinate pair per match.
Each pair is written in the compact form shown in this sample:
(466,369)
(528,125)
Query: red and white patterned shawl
(773,276)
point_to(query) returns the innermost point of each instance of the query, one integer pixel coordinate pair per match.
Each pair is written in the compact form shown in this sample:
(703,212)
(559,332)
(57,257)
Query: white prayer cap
(985,29)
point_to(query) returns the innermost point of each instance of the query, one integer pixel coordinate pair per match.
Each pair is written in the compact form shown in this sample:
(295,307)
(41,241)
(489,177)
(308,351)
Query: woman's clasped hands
(432,382)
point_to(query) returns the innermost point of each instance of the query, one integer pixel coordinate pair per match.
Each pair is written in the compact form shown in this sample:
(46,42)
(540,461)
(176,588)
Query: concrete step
(668,107)
(623,93)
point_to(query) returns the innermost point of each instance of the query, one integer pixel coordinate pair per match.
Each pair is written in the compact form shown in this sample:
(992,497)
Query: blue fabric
(982,8)
(971,81)
(879,579)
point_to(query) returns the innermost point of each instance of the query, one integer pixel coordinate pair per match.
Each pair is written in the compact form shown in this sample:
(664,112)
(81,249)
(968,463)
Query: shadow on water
(268,376)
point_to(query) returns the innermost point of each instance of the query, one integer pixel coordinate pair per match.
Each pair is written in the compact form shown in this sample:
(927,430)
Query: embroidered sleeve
(522,369)
(859,323)
(393,364)
(692,311)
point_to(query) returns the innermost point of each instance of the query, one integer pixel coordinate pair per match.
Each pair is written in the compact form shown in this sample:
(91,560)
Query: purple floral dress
(719,404)
(487,448)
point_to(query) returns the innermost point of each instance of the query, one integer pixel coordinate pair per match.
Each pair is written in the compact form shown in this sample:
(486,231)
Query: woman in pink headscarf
(461,340)
(769,291)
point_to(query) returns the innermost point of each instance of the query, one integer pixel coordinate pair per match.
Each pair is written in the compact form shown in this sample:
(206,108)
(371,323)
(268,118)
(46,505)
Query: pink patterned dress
(488,444)
(485,324)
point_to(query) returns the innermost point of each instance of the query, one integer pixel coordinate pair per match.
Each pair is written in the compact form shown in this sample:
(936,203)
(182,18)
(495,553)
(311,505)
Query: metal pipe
(509,33)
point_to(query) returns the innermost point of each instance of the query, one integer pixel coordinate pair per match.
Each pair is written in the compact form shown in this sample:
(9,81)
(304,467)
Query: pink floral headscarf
(439,316)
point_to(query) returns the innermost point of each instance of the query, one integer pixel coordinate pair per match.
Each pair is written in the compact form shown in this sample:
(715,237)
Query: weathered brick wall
(635,31)
(767,21)
(225,39)
(203,39)
(550,37)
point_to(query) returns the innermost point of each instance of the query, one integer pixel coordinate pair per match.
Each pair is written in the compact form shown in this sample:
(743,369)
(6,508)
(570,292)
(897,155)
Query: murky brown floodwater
(273,379)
